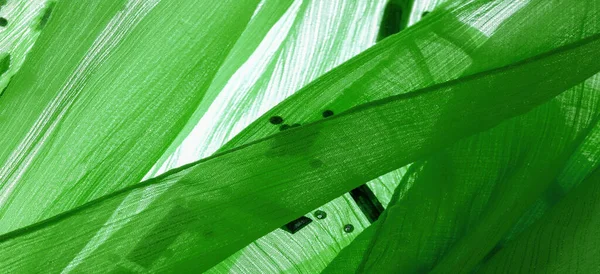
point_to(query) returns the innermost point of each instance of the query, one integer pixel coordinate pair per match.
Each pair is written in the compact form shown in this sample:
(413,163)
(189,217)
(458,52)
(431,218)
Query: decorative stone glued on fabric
(295,225)
(320,214)
(327,113)
(276,120)
(367,202)
(348,228)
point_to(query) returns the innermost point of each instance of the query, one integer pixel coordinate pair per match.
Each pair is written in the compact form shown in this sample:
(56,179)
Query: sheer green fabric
(190,225)
(322,36)
(455,213)
(104,91)
(563,241)
(496,104)
(24,21)
(268,28)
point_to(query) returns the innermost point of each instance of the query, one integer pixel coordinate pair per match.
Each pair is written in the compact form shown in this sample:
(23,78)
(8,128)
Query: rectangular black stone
(295,225)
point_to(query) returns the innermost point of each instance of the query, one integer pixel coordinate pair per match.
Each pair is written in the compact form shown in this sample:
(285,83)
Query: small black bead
(320,214)
(284,127)
(3,22)
(348,228)
(327,113)
(276,120)
(424,14)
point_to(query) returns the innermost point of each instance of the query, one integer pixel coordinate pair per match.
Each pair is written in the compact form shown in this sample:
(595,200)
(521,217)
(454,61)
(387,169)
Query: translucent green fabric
(495,104)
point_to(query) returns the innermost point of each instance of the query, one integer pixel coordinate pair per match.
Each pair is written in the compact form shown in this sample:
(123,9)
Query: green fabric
(279,178)
(25,20)
(331,33)
(455,213)
(190,144)
(564,241)
(484,116)
(103,92)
